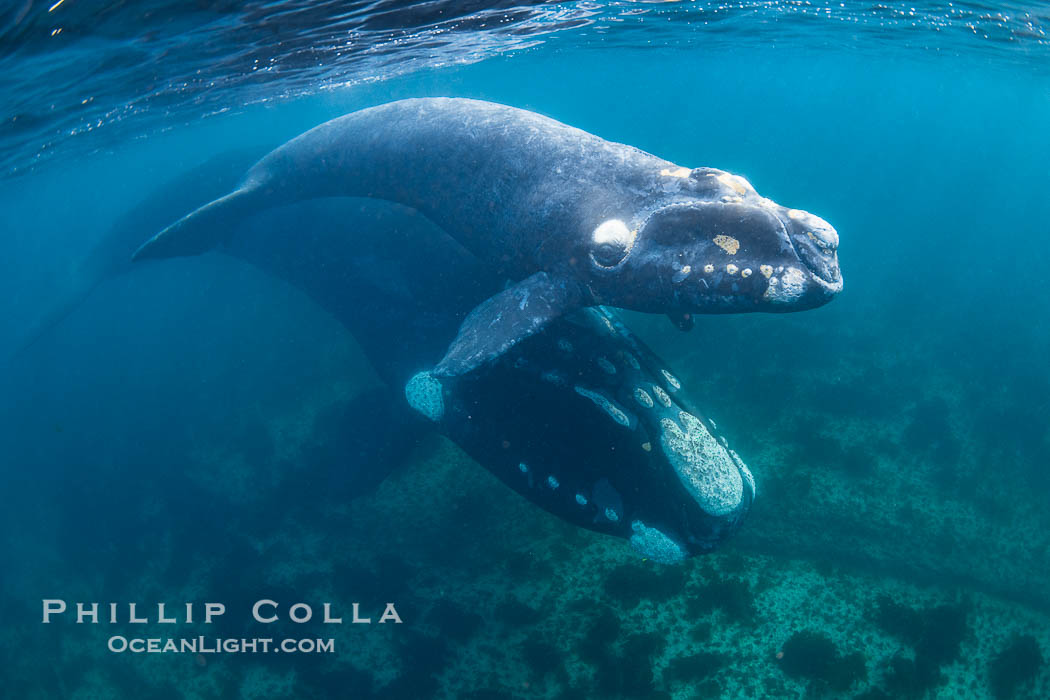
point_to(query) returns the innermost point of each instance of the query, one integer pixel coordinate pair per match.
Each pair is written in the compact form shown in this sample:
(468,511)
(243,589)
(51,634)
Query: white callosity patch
(612,242)
(748,477)
(735,183)
(523,468)
(820,231)
(613,231)
(656,545)
(672,381)
(606,405)
(553,482)
(791,287)
(642,397)
(661,396)
(611,514)
(675,172)
(581,499)
(424,394)
(703,465)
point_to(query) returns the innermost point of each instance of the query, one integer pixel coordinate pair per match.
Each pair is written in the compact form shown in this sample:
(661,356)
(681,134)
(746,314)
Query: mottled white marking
(553,482)
(731,268)
(766,271)
(681,274)
(606,366)
(424,394)
(704,466)
(655,545)
(709,268)
(672,380)
(611,514)
(523,468)
(606,405)
(642,397)
(746,272)
(661,396)
(647,446)
(792,286)
(581,499)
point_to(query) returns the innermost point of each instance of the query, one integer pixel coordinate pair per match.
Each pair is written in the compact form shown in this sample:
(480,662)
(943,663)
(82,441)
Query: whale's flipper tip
(504,320)
(198,232)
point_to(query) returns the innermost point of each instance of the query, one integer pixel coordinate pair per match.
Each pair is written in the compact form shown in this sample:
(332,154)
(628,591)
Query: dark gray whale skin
(518,410)
(573,219)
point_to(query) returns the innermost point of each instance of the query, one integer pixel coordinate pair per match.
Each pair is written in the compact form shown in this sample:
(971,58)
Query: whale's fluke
(202,230)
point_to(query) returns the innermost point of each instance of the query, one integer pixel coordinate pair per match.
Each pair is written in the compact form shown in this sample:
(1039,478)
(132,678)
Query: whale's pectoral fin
(503,320)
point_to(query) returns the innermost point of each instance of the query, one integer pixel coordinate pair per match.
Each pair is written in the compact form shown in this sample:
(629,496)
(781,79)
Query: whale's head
(716,246)
(591,425)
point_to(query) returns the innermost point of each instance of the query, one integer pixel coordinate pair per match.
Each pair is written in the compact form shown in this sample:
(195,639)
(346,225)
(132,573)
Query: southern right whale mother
(573,219)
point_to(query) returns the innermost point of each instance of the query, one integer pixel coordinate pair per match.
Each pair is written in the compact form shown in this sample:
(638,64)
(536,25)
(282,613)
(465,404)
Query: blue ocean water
(180,435)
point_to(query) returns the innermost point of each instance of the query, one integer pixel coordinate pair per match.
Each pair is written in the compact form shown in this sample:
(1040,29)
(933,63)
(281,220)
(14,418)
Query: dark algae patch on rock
(629,584)
(621,670)
(814,657)
(936,634)
(1014,668)
(541,657)
(730,595)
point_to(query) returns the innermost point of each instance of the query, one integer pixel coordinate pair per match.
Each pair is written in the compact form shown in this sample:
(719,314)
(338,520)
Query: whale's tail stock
(204,229)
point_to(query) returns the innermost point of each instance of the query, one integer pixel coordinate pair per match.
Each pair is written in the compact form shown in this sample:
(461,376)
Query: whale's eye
(609,254)
(612,241)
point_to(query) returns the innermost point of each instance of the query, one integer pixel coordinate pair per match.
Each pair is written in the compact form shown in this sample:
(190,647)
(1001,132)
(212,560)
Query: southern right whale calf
(571,219)
(582,419)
